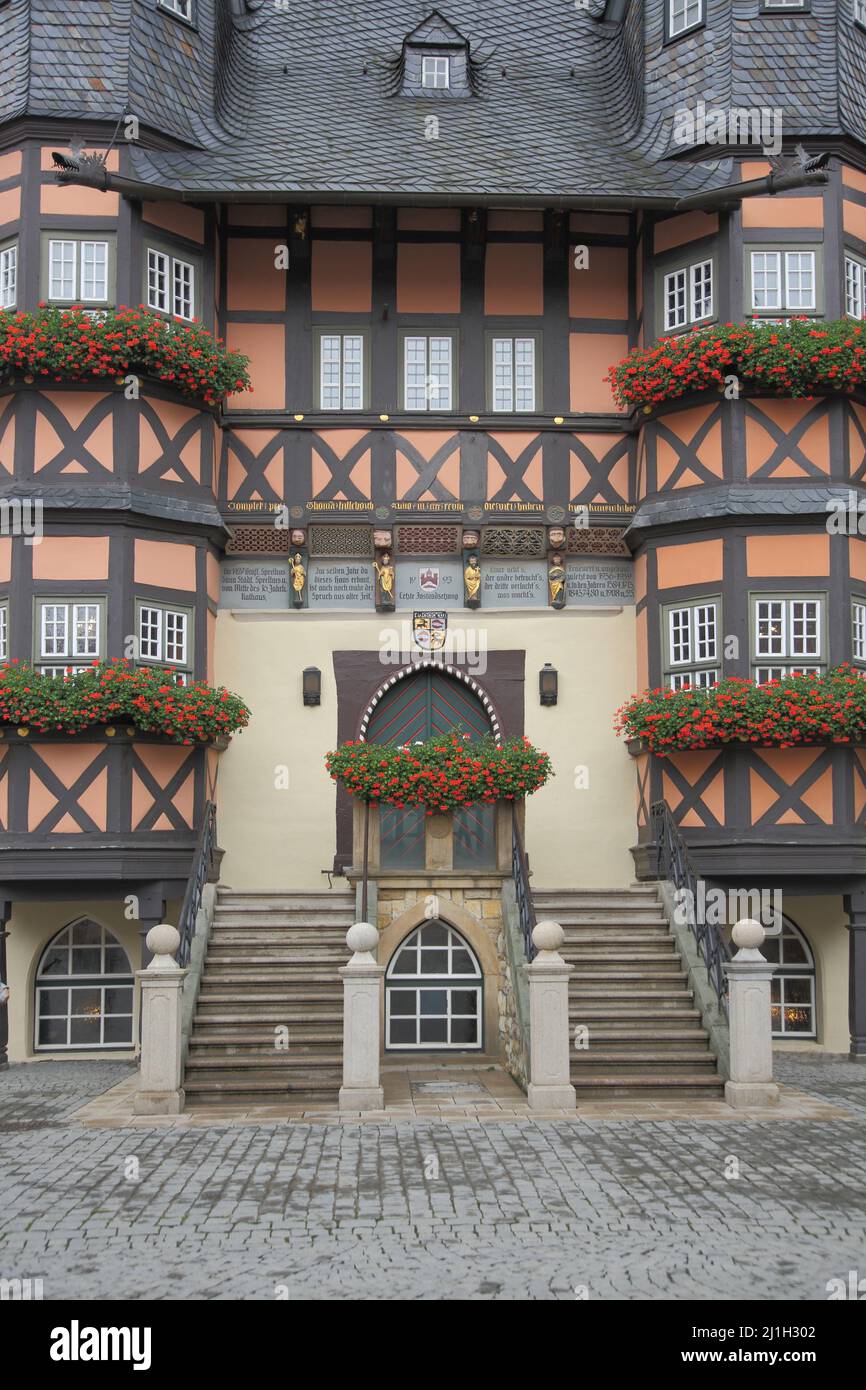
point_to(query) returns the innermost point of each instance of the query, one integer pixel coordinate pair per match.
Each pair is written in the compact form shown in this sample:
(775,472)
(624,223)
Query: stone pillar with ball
(750,1021)
(160,1091)
(362,990)
(550,1085)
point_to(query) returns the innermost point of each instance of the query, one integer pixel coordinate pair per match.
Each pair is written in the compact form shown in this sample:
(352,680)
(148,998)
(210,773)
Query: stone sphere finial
(163,941)
(362,938)
(548,936)
(748,934)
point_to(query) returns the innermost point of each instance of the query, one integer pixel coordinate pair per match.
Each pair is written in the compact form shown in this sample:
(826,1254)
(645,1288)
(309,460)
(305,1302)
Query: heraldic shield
(430,630)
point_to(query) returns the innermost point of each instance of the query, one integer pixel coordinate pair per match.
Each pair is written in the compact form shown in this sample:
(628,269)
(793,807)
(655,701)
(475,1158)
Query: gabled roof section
(436,29)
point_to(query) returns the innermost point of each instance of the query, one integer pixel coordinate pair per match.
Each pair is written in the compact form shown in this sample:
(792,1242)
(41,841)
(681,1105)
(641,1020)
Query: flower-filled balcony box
(117,760)
(440,806)
(765,778)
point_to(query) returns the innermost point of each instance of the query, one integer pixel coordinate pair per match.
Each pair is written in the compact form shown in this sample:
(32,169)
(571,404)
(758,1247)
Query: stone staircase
(271,963)
(631,990)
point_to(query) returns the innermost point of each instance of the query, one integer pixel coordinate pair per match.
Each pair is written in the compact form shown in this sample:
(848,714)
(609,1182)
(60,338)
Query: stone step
(629,935)
(591,954)
(636,1039)
(254,969)
(283,1061)
(568,918)
(616,897)
(262,1045)
(246,1090)
(254,994)
(327,898)
(622,1010)
(609,993)
(321,957)
(331,938)
(658,1087)
(265,1019)
(287,921)
(620,977)
(625,1065)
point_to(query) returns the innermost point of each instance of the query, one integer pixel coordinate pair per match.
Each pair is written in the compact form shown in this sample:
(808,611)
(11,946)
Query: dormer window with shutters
(436,61)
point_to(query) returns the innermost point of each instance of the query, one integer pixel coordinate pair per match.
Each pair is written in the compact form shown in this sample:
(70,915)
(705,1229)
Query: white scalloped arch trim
(454,672)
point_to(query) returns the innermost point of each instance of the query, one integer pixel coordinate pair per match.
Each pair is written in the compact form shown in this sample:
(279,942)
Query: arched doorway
(427,702)
(84,991)
(434,993)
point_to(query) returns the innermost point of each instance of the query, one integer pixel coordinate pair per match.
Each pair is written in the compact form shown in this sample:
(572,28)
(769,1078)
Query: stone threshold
(408,1100)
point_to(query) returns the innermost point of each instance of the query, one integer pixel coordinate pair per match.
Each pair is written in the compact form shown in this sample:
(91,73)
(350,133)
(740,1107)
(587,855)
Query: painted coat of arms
(430,630)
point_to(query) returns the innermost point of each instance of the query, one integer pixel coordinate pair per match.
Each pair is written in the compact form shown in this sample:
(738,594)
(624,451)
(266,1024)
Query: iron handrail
(200,874)
(522,889)
(674,864)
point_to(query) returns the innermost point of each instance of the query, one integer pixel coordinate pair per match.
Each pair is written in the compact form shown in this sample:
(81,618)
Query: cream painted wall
(282,839)
(31,927)
(823,921)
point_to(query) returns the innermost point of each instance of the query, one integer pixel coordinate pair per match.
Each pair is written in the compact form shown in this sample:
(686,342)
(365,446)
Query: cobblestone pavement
(631,1209)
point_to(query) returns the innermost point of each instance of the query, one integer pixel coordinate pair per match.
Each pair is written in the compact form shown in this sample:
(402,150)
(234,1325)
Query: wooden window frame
(692,667)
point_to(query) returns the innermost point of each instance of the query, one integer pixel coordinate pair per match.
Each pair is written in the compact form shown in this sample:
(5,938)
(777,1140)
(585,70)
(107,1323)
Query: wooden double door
(427,703)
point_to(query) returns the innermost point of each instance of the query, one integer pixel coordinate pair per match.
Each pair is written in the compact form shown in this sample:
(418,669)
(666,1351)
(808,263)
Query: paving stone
(631,1208)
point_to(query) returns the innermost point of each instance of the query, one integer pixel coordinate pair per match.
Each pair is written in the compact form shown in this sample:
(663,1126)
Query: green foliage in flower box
(55,344)
(442,773)
(802,358)
(116,692)
(800,709)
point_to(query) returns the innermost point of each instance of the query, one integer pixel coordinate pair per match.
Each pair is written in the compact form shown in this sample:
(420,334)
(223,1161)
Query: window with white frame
(341,371)
(4,631)
(788,637)
(688,295)
(783,282)
(792,995)
(428,372)
(860,12)
(84,990)
(182,8)
(170,284)
(9,276)
(69,634)
(78,270)
(858,631)
(692,644)
(684,15)
(855,271)
(784,4)
(513,375)
(435,72)
(164,635)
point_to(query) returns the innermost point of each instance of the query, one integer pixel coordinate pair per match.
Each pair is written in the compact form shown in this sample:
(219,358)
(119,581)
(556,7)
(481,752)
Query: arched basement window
(84,988)
(433,992)
(792,992)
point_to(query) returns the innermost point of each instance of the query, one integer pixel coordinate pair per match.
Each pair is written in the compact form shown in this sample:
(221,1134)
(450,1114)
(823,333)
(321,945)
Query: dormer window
(435,72)
(682,16)
(435,61)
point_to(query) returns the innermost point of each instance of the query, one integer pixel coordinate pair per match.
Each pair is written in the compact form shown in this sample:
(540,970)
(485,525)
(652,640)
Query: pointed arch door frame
(359,675)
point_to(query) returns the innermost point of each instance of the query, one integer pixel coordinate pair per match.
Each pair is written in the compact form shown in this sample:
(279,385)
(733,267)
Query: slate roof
(308,99)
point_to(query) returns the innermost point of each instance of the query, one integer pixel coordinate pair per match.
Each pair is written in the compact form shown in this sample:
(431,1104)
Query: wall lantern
(548,684)
(312,685)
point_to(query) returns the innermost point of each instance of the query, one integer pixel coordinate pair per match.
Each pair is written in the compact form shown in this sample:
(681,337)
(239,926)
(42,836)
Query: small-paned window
(84,990)
(792,991)
(514,373)
(858,631)
(170,284)
(342,370)
(4,631)
(783,5)
(182,8)
(435,72)
(9,275)
(70,634)
(692,644)
(164,636)
(688,295)
(79,270)
(855,277)
(783,282)
(787,636)
(428,371)
(684,15)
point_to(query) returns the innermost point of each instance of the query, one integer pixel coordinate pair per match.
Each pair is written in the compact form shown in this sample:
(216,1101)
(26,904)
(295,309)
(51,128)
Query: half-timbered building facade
(432,231)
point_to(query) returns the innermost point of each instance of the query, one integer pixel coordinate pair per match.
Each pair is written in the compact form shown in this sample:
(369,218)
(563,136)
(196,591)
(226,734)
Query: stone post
(550,1085)
(361,995)
(159,1089)
(855,906)
(749,975)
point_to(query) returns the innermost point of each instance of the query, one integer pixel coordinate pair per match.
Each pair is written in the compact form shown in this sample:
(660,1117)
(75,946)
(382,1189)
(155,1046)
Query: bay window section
(687,296)
(170,284)
(784,283)
(787,636)
(858,632)
(78,269)
(855,271)
(4,630)
(9,276)
(692,644)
